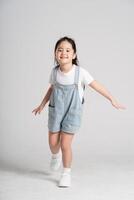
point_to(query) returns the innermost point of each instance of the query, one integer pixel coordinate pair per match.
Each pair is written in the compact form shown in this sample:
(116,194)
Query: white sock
(66,170)
(55,155)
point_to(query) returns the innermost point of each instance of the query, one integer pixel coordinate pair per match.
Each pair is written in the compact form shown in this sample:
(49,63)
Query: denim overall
(65,107)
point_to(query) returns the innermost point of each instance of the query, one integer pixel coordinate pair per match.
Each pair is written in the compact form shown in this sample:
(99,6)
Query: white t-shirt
(67,78)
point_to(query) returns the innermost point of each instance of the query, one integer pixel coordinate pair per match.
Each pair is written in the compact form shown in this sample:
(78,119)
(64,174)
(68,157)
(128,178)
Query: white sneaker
(65,180)
(55,162)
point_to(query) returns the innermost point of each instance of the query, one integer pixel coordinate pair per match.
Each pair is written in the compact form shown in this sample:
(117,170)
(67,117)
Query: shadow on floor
(32,173)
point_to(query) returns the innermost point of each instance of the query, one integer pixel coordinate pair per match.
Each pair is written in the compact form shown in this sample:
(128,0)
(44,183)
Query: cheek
(56,56)
(72,56)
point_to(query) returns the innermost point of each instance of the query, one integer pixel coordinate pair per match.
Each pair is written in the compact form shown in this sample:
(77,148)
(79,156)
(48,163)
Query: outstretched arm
(103,91)
(47,96)
(44,101)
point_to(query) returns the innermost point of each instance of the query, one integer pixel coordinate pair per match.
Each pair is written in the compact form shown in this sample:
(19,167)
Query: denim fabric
(65,107)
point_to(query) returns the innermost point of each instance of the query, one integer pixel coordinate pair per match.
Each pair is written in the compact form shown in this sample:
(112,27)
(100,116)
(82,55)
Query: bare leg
(66,140)
(54,142)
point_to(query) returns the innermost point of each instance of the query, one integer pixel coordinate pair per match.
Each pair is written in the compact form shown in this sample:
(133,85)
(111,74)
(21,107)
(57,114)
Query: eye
(59,50)
(68,51)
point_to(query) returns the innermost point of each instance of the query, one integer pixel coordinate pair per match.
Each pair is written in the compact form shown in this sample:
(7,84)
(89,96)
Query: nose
(64,52)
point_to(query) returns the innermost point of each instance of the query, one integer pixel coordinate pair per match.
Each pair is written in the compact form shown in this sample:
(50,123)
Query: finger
(122,107)
(35,110)
(116,106)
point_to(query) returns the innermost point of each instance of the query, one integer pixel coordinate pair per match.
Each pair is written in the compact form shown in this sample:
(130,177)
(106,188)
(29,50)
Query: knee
(64,146)
(54,143)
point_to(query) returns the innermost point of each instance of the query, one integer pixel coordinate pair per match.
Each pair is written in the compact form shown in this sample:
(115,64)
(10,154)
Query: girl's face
(64,53)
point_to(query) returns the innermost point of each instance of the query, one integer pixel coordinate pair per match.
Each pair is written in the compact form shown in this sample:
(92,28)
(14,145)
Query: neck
(66,67)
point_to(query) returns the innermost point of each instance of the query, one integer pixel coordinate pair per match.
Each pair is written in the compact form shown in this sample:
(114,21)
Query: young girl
(66,100)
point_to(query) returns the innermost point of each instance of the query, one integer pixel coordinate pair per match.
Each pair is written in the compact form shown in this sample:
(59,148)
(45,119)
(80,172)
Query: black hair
(72,42)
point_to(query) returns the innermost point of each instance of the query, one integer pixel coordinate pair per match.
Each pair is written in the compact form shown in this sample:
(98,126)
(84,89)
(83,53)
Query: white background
(103,31)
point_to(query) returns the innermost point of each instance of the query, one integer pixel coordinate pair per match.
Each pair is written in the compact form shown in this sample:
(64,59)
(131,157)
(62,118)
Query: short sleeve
(87,77)
(51,77)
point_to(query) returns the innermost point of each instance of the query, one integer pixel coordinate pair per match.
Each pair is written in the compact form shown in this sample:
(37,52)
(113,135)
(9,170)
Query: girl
(66,100)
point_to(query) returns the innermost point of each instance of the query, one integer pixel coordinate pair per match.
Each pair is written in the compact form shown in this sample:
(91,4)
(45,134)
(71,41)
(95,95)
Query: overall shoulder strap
(76,79)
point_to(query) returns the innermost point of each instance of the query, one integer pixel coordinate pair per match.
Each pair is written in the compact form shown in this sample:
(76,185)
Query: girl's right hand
(38,109)
(117,105)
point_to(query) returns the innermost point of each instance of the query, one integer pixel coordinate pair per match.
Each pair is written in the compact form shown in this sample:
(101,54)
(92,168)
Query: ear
(74,56)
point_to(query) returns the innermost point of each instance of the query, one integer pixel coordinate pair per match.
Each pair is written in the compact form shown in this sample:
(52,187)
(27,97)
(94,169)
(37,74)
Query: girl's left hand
(117,105)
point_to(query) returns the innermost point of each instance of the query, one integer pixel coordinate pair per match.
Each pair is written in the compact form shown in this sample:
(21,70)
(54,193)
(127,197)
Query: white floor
(95,179)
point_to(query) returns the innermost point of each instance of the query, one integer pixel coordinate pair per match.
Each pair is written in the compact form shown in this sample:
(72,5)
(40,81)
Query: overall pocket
(51,100)
(52,106)
(51,113)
